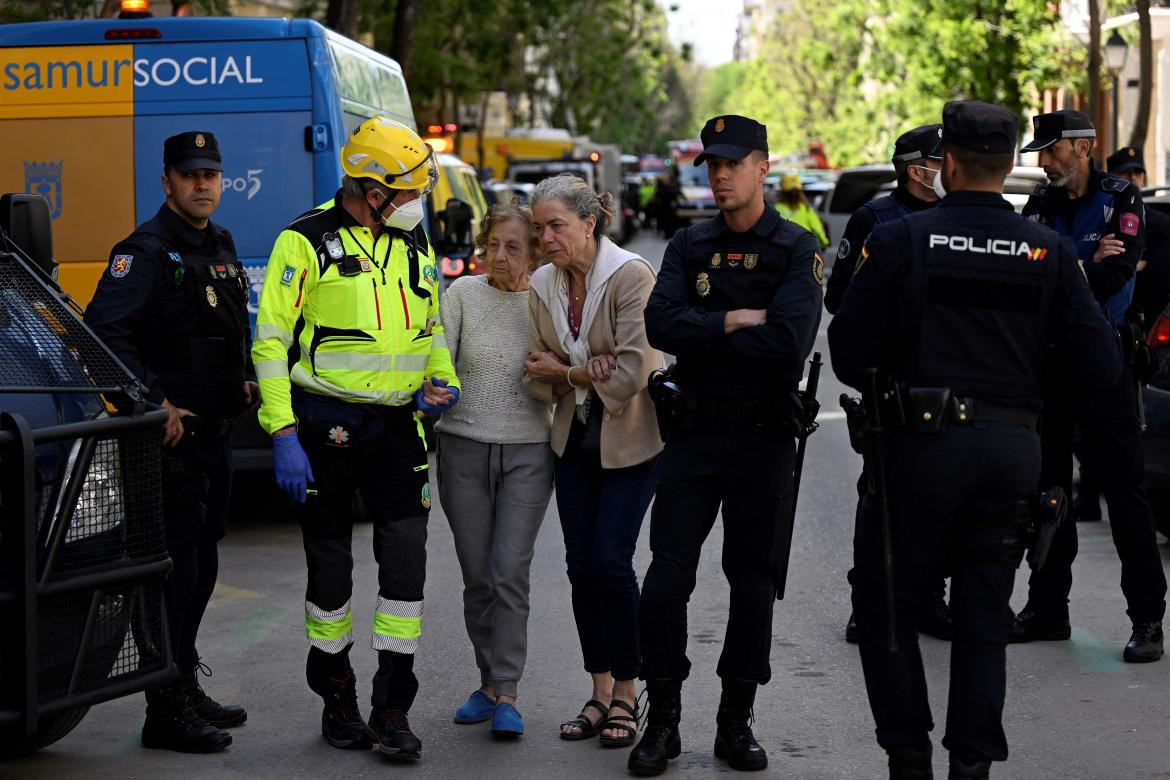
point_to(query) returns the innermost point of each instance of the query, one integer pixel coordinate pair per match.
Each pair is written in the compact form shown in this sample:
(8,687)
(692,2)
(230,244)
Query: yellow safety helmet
(789,182)
(390,153)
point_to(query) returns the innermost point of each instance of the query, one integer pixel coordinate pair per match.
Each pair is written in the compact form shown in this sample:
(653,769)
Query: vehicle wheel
(13,743)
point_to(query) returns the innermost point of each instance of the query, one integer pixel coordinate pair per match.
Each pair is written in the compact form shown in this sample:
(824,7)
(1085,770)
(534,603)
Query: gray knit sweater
(487,333)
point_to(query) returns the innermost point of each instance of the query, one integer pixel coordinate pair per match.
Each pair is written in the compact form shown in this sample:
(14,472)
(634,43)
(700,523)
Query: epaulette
(1114,184)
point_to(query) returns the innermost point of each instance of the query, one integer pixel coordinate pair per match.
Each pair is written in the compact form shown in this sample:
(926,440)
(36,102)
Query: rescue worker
(793,205)
(738,301)
(172,305)
(1151,293)
(916,166)
(954,306)
(351,304)
(1104,217)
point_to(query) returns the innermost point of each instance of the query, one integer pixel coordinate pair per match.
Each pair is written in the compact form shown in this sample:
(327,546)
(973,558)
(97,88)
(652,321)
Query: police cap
(1047,129)
(921,143)
(732,137)
(1126,159)
(980,127)
(191,151)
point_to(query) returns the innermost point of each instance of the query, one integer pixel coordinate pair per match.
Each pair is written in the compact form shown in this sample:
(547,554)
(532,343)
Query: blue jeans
(601,514)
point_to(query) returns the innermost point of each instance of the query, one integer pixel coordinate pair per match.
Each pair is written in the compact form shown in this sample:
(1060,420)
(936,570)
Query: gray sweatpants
(495,497)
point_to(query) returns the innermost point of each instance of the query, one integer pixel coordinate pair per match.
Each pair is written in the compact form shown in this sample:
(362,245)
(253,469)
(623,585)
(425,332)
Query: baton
(806,429)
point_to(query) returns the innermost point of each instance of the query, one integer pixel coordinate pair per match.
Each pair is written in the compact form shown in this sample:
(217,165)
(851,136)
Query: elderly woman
(495,465)
(588,350)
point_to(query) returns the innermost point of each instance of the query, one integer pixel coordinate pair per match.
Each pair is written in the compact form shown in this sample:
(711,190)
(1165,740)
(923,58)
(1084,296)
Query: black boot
(936,617)
(660,740)
(206,707)
(1146,644)
(910,763)
(331,677)
(968,770)
(734,740)
(1031,626)
(395,739)
(395,687)
(851,629)
(171,724)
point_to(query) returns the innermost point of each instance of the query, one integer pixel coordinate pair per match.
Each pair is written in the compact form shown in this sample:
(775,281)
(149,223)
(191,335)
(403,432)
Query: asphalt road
(1074,710)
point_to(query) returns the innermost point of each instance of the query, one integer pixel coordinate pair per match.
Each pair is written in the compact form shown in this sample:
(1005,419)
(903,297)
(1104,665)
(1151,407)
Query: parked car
(863,183)
(82,546)
(1156,397)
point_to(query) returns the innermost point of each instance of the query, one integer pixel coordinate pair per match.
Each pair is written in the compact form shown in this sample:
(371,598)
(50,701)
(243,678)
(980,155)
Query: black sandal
(588,729)
(627,723)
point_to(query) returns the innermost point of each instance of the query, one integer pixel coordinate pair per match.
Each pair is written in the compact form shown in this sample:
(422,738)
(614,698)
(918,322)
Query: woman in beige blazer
(588,351)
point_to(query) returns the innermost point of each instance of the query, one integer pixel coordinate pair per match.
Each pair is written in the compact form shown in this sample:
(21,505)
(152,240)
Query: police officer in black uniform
(916,164)
(1151,293)
(1151,290)
(954,307)
(1104,217)
(173,306)
(738,302)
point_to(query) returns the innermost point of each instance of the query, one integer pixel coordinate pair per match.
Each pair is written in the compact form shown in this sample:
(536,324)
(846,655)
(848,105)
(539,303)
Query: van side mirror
(26,221)
(456,222)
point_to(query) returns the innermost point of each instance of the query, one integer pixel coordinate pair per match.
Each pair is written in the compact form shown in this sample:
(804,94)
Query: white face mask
(405,217)
(938,187)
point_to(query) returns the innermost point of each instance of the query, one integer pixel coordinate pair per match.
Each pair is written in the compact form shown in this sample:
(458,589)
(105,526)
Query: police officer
(738,302)
(173,306)
(1104,217)
(954,306)
(917,170)
(916,165)
(348,347)
(1151,290)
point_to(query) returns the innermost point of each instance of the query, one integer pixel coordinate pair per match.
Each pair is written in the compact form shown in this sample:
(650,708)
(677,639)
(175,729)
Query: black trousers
(953,504)
(379,455)
(748,472)
(1111,450)
(197,485)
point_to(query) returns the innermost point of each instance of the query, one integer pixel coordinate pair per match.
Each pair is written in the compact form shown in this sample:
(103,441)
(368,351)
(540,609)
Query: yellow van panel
(85,169)
(80,280)
(66,81)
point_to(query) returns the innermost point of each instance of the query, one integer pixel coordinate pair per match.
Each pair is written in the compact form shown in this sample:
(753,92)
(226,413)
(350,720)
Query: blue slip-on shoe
(506,721)
(476,709)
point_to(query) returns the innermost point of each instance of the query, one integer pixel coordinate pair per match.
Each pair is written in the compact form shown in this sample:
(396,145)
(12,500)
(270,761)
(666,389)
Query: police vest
(1085,227)
(977,300)
(201,357)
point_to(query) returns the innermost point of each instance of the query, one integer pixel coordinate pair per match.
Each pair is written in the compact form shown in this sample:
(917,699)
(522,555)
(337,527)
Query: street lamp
(1116,51)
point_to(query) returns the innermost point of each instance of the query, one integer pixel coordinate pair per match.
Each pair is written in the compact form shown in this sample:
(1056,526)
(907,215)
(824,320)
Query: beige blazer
(629,428)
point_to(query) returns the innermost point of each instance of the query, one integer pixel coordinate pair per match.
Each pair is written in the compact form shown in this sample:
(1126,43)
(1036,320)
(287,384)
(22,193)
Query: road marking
(1091,654)
(259,625)
(822,416)
(227,594)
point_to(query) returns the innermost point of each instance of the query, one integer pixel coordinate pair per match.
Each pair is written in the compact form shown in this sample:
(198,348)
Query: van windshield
(690,175)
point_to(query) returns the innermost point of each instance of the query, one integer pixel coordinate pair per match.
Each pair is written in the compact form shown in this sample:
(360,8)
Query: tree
(1093,76)
(1141,121)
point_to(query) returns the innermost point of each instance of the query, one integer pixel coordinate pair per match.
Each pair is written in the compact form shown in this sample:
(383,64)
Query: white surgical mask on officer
(405,217)
(938,187)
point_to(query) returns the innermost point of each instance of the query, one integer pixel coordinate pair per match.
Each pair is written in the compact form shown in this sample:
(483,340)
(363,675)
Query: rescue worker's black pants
(953,497)
(1111,450)
(197,485)
(382,458)
(748,471)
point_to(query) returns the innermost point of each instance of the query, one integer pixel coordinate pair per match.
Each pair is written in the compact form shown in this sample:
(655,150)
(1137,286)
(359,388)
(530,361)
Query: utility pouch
(856,423)
(927,408)
(1049,514)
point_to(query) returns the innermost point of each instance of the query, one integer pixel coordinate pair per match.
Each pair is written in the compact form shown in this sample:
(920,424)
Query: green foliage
(855,74)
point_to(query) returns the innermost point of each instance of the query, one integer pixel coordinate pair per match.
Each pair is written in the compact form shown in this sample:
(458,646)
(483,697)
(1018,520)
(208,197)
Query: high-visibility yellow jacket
(804,216)
(370,311)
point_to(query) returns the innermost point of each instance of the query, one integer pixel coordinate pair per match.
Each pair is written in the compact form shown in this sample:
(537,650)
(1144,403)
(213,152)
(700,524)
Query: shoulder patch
(843,248)
(1129,222)
(120,265)
(861,259)
(818,268)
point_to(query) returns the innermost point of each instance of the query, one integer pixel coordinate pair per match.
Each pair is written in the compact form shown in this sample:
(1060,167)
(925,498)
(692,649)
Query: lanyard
(385,257)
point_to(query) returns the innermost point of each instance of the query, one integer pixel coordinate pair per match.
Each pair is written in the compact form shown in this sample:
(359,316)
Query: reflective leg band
(397,625)
(330,631)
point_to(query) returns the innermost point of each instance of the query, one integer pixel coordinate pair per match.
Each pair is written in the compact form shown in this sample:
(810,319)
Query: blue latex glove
(436,409)
(293,473)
